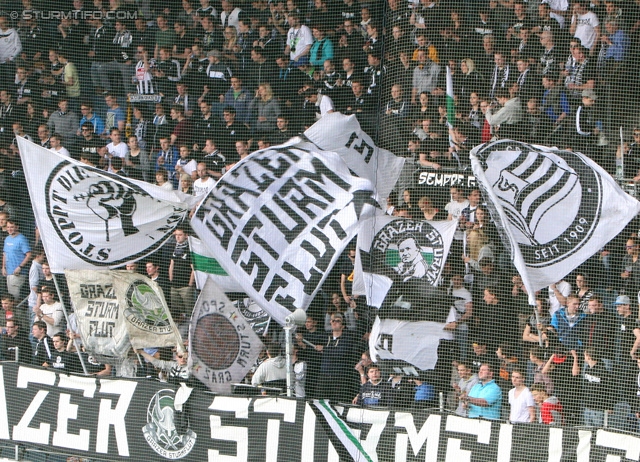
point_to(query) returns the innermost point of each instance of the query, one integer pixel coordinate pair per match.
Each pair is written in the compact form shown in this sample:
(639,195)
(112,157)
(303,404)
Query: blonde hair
(267,90)
(471,66)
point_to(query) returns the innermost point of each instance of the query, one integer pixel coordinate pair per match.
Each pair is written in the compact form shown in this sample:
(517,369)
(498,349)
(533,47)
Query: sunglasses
(336,320)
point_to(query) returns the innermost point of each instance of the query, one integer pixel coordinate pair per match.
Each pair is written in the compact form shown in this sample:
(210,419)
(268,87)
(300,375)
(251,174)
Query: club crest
(553,199)
(161,433)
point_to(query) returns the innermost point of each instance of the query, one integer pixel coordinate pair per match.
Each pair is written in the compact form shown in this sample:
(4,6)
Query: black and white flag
(342,134)
(278,221)
(120,309)
(554,209)
(400,260)
(222,343)
(92,219)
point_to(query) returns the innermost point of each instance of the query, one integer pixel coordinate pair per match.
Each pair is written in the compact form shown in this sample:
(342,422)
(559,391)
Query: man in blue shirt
(16,254)
(485,398)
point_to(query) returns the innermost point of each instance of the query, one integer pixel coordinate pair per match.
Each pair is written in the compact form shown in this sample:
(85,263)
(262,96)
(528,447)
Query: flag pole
(66,317)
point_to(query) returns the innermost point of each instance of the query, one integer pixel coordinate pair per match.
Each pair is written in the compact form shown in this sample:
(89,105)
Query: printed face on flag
(400,257)
(279,220)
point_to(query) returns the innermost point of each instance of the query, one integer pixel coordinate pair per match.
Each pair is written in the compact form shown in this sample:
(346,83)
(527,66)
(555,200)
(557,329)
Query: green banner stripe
(345,429)
(207,265)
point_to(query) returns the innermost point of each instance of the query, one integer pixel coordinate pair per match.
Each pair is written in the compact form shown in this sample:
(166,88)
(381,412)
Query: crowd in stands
(175,93)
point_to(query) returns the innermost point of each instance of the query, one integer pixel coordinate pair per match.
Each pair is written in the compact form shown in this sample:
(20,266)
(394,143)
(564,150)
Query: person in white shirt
(299,41)
(185,163)
(162,179)
(56,145)
(585,25)
(204,183)
(523,407)
(50,311)
(558,294)
(116,148)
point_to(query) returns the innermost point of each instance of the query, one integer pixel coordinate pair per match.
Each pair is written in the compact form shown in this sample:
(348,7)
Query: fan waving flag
(118,309)
(400,257)
(91,219)
(278,221)
(554,209)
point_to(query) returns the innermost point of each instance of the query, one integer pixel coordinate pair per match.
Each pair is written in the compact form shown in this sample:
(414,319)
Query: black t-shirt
(65,361)
(181,258)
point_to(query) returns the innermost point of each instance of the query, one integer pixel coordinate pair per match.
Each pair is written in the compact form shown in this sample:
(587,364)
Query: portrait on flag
(399,260)
(92,219)
(279,220)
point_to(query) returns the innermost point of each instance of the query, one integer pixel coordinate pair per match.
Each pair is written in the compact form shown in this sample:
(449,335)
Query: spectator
(585,26)
(462,388)
(272,371)
(374,392)
(181,278)
(596,389)
(322,48)
(62,360)
(86,108)
(299,41)
(523,408)
(15,343)
(16,255)
(238,98)
(266,108)
(56,145)
(49,310)
(505,121)
(568,323)
(43,347)
(549,409)
(335,370)
(64,121)
(485,398)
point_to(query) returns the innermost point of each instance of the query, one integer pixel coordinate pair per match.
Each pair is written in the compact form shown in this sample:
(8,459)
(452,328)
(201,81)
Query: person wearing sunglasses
(338,358)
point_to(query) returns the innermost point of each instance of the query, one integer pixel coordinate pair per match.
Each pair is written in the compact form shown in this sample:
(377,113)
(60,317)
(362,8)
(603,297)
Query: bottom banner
(116,419)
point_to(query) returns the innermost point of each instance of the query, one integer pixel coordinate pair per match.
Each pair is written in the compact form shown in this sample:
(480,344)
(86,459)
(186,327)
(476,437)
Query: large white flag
(414,342)
(91,219)
(116,310)
(342,134)
(278,221)
(400,257)
(554,209)
(223,346)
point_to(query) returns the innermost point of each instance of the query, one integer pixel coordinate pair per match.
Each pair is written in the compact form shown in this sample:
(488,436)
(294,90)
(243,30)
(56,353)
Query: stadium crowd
(175,93)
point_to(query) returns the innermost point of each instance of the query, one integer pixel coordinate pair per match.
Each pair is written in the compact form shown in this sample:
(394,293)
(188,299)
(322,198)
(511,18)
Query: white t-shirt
(62,151)
(189,167)
(520,405)
(55,311)
(298,40)
(565,289)
(202,188)
(586,29)
(118,151)
(325,104)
